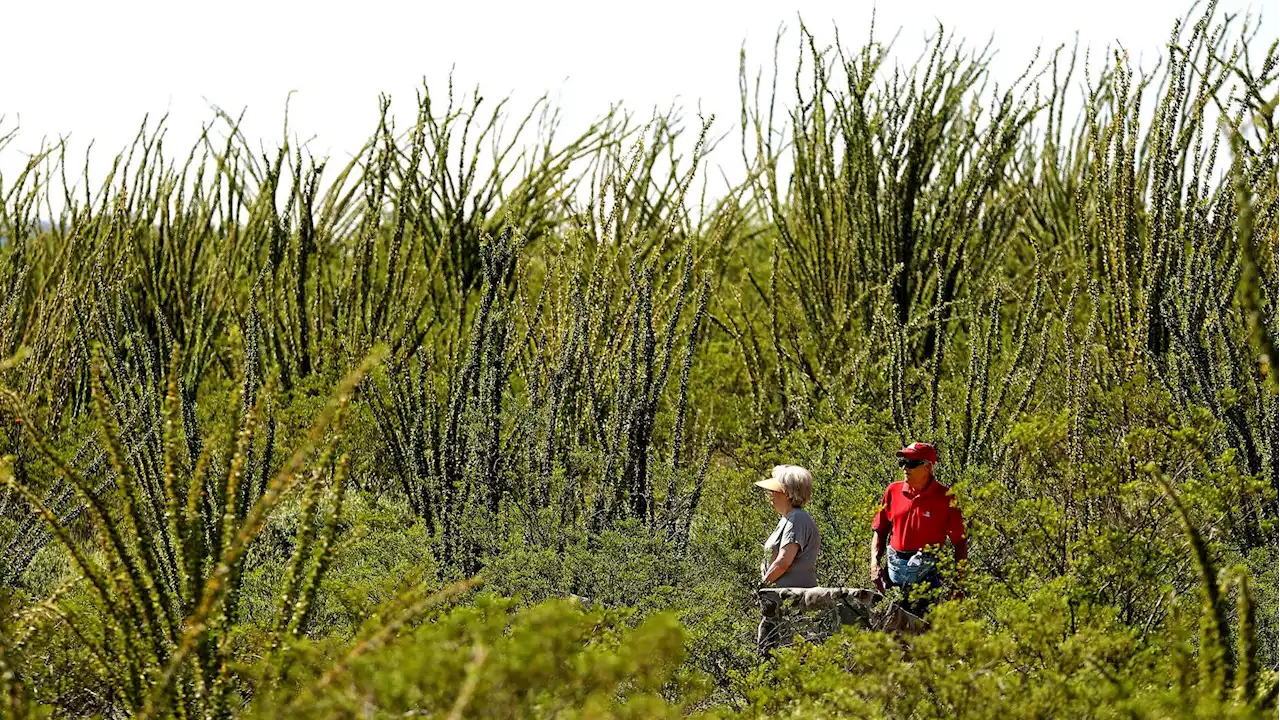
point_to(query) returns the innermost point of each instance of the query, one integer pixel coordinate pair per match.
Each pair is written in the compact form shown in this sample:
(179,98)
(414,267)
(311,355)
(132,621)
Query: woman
(791,552)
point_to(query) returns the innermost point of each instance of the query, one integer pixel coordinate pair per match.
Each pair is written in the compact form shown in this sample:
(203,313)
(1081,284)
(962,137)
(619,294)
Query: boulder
(783,610)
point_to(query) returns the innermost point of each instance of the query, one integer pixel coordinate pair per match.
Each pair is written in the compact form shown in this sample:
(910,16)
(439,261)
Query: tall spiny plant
(892,182)
(1229,678)
(580,383)
(166,593)
(1164,233)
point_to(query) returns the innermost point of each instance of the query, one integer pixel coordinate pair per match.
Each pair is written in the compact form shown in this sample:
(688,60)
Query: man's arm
(881,525)
(879,574)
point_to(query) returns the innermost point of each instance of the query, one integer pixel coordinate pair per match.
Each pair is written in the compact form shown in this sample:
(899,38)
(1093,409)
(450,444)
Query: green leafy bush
(583,375)
(494,660)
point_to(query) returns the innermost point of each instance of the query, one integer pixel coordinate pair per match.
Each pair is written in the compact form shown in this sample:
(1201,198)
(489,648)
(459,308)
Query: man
(915,517)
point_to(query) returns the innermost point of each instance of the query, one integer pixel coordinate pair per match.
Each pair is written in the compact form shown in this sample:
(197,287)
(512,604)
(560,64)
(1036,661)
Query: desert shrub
(494,660)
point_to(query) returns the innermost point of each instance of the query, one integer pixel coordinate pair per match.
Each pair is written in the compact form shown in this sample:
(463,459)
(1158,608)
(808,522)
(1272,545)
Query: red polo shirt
(916,519)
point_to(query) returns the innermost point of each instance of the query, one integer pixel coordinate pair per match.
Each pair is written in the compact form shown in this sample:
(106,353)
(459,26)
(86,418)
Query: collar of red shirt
(932,488)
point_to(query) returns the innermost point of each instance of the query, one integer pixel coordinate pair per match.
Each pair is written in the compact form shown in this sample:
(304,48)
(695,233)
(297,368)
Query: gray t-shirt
(795,527)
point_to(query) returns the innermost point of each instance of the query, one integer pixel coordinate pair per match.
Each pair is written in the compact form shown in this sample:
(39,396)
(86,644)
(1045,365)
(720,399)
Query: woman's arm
(781,563)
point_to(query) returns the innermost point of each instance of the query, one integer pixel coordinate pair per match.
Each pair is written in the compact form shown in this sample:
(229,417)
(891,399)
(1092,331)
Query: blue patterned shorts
(908,569)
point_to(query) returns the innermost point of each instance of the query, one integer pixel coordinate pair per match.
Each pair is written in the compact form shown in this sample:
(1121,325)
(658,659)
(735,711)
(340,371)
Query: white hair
(796,482)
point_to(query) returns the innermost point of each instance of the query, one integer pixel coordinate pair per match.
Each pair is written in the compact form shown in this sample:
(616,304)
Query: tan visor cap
(770,484)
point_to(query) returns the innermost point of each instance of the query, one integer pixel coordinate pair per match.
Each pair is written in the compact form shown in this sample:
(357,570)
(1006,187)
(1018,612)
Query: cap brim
(769,484)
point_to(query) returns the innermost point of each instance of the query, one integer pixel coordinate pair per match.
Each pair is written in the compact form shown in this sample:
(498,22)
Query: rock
(782,609)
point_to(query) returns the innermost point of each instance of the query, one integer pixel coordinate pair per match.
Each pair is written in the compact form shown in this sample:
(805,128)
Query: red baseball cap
(919,451)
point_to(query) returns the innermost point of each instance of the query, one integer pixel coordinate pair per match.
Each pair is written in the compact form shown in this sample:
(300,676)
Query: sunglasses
(906,464)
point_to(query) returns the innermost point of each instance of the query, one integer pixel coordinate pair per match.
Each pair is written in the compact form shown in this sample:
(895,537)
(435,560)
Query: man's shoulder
(944,492)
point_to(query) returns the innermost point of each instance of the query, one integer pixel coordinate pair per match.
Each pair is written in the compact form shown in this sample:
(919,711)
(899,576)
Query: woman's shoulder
(800,516)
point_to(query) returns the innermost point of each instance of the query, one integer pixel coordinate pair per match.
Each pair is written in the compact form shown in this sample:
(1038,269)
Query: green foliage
(163,601)
(492,660)
(582,376)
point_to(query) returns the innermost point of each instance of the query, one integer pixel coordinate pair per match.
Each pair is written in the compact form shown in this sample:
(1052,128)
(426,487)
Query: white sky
(93,69)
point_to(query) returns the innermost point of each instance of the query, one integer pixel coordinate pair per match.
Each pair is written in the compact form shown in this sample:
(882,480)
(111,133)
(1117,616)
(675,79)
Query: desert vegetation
(467,426)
